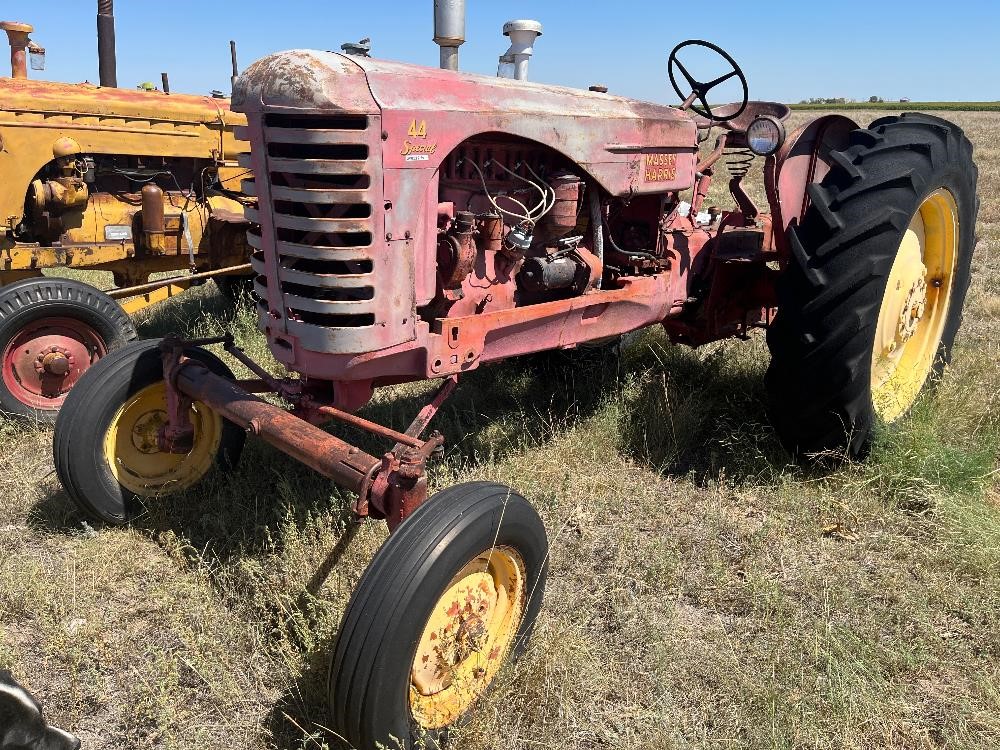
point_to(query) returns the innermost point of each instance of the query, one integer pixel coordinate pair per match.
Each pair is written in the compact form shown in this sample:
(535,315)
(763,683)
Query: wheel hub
(459,634)
(913,310)
(56,362)
(914,307)
(42,361)
(467,637)
(133,445)
(146,431)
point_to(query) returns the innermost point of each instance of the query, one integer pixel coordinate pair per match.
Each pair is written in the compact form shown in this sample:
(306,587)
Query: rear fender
(803,159)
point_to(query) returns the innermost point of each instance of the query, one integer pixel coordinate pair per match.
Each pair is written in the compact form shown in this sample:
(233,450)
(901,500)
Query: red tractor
(417,223)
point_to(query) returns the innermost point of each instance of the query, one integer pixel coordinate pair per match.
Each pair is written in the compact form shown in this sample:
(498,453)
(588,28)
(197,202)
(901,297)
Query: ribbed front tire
(449,597)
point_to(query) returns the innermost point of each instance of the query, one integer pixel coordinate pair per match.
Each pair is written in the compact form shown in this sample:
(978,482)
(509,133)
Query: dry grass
(703,592)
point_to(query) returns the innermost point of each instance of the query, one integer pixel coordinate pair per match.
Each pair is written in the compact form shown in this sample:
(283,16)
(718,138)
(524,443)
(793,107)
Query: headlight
(765,135)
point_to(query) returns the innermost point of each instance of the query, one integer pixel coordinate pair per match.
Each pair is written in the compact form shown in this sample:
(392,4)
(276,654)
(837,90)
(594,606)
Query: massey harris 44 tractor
(415,223)
(102,179)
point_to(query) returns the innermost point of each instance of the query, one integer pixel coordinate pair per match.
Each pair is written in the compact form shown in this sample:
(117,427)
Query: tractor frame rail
(390,487)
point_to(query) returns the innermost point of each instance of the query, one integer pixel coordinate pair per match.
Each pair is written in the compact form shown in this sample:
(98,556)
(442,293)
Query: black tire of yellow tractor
(30,300)
(370,671)
(822,339)
(78,442)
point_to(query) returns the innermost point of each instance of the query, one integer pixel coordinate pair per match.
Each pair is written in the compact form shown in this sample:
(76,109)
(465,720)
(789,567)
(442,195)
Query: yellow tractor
(142,183)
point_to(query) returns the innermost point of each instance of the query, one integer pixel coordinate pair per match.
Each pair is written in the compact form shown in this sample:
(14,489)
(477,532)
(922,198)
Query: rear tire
(51,332)
(393,680)
(881,192)
(104,445)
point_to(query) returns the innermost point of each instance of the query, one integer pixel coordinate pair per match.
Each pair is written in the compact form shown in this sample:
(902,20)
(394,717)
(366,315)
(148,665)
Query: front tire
(871,300)
(51,332)
(447,599)
(105,444)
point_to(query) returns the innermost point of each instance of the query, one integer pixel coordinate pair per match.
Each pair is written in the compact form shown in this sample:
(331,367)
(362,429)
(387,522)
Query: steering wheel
(700,90)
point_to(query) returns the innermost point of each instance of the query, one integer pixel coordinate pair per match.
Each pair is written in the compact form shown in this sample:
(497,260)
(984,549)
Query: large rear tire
(51,332)
(872,298)
(105,444)
(447,599)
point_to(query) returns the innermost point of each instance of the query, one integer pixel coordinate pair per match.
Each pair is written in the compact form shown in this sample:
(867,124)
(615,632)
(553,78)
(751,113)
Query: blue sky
(789,50)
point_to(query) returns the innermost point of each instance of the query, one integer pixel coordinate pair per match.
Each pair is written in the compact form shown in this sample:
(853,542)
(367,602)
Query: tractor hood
(48,98)
(609,136)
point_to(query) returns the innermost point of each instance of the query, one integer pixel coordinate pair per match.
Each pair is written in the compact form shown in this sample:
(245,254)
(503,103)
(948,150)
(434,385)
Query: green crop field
(704,592)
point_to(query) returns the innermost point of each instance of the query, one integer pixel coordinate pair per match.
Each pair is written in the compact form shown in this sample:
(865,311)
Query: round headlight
(765,135)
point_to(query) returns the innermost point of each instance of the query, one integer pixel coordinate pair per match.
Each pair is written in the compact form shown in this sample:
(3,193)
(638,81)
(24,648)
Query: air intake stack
(449,30)
(514,62)
(17,35)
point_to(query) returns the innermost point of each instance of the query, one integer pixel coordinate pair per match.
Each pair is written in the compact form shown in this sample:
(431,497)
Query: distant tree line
(828,100)
(845,100)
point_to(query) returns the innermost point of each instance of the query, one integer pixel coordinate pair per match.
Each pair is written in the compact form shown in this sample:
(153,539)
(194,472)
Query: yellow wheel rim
(132,452)
(467,638)
(915,306)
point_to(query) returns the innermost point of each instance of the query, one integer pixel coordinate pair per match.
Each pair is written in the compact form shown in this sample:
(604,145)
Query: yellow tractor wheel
(107,446)
(446,602)
(871,299)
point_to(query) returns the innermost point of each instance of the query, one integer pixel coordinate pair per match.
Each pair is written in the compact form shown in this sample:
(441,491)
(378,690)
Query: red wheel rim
(45,359)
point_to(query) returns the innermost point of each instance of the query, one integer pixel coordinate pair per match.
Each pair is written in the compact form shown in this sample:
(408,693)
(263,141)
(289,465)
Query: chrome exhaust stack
(449,30)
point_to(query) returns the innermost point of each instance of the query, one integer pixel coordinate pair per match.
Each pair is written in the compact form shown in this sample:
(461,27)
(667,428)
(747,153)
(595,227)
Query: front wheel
(448,598)
(51,332)
(871,301)
(106,447)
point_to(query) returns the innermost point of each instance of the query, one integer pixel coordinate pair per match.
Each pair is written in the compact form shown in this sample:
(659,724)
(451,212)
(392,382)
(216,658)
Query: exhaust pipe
(106,43)
(17,35)
(236,68)
(449,30)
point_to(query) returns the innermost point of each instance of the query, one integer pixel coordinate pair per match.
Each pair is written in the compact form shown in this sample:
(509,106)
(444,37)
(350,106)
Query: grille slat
(326,281)
(317,166)
(315,195)
(324,137)
(340,307)
(257,263)
(312,252)
(322,225)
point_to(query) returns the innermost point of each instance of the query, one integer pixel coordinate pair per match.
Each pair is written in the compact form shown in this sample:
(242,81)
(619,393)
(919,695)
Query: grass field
(704,592)
(901,107)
